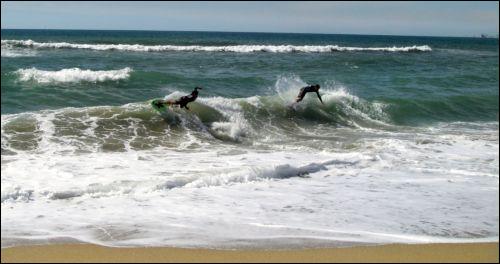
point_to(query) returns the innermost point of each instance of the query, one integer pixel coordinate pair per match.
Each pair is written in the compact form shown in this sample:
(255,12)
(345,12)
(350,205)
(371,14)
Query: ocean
(405,148)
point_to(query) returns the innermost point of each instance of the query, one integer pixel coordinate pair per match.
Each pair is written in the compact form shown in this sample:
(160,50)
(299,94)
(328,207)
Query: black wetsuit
(305,90)
(183,101)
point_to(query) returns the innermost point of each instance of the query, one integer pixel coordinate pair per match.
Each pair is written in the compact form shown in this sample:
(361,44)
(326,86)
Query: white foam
(198,198)
(15,53)
(416,185)
(246,175)
(194,48)
(72,75)
(237,126)
(336,95)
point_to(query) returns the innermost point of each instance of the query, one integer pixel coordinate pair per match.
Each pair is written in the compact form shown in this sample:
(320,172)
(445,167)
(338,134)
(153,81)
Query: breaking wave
(72,75)
(244,175)
(195,48)
(137,126)
(14,53)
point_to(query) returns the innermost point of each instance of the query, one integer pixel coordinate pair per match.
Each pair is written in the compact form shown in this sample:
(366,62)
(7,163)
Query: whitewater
(268,182)
(234,48)
(403,149)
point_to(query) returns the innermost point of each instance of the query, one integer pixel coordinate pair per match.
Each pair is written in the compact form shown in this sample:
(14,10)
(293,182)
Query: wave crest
(15,53)
(72,75)
(194,48)
(251,120)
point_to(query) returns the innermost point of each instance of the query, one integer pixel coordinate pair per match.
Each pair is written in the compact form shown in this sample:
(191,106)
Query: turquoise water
(456,81)
(408,132)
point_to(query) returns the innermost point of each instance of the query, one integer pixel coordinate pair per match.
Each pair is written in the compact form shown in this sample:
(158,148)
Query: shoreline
(445,252)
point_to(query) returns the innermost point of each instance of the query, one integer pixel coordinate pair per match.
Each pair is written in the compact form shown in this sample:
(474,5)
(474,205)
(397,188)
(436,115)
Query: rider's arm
(319,96)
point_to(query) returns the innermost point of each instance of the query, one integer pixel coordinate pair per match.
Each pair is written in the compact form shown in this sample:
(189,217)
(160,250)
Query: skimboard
(164,110)
(160,107)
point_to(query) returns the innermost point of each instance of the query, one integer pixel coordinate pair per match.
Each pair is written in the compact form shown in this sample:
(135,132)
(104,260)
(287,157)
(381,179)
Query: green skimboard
(164,110)
(160,107)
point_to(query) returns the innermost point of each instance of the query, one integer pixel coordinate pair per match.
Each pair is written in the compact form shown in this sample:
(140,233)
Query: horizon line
(216,31)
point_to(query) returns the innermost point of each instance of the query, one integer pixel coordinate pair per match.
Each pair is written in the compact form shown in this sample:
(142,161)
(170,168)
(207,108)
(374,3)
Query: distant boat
(483,36)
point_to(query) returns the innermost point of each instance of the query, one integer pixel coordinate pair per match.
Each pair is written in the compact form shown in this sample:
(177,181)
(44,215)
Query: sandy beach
(473,252)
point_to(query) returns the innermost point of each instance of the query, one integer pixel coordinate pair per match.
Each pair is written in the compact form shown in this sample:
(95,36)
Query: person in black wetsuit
(308,89)
(183,101)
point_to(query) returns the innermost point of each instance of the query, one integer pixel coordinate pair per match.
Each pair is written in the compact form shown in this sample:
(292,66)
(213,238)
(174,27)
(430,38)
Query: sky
(374,18)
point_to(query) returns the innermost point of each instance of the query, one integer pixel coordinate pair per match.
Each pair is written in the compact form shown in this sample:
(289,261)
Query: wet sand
(473,252)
